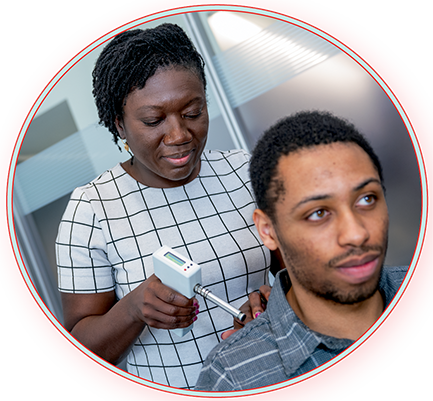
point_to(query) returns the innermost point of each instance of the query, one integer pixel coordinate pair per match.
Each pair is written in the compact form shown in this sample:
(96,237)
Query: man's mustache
(360,251)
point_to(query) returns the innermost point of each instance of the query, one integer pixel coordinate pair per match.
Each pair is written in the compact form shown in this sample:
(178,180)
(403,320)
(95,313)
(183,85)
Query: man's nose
(352,230)
(176,132)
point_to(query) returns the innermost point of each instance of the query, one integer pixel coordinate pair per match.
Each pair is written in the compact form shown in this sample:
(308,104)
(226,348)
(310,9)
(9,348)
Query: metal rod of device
(205,293)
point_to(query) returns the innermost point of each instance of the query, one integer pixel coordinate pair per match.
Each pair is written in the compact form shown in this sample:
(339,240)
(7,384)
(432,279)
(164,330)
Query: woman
(149,88)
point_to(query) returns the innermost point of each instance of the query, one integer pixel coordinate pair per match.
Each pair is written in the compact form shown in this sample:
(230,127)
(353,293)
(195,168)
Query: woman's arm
(109,328)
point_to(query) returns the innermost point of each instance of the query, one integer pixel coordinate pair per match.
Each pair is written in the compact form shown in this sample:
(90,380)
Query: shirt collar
(293,337)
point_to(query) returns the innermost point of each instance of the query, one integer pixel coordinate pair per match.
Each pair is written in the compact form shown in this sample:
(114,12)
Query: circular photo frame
(359,94)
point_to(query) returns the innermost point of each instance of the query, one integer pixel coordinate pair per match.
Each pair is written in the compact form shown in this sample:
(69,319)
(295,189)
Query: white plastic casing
(177,272)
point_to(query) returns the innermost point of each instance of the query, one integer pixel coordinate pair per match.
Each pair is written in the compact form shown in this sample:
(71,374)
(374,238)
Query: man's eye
(367,200)
(318,215)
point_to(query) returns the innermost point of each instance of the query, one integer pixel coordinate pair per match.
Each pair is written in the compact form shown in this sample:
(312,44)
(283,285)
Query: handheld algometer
(183,275)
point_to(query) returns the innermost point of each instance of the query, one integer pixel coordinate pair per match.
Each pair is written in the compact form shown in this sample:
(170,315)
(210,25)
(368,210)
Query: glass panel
(270,69)
(275,54)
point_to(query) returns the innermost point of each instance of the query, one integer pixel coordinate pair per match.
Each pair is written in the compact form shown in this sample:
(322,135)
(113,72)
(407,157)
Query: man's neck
(333,319)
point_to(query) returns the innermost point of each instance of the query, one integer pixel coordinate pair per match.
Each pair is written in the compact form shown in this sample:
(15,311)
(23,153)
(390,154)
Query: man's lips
(359,270)
(358,261)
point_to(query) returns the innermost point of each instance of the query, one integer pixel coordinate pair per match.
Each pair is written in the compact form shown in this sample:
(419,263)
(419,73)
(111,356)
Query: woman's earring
(126,146)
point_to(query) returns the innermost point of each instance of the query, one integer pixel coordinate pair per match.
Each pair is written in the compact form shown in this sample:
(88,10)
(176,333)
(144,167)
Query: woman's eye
(367,200)
(318,215)
(151,123)
(193,115)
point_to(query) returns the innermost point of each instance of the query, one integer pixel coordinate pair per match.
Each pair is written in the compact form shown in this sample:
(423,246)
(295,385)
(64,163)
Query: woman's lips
(179,160)
(359,271)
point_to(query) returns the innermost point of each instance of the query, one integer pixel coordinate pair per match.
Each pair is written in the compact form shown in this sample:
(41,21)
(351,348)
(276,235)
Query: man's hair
(134,56)
(290,134)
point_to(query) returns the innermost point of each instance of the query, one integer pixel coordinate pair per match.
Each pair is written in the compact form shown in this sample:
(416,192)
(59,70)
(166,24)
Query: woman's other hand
(255,305)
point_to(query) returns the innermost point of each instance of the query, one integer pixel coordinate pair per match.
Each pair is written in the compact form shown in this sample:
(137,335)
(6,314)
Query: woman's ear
(119,126)
(265,229)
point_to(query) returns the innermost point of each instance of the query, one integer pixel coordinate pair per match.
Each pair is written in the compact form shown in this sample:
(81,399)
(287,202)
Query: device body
(177,272)
(183,275)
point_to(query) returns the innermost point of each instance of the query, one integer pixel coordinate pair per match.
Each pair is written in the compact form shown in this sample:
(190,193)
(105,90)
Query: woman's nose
(176,132)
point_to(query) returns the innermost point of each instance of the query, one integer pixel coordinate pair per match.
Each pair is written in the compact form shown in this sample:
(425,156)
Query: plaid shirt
(277,346)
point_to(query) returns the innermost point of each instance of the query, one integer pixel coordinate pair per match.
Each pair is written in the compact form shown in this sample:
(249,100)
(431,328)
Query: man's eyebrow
(310,199)
(365,183)
(327,196)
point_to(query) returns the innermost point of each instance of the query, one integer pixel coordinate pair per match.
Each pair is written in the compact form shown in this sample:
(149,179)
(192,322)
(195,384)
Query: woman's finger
(256,304)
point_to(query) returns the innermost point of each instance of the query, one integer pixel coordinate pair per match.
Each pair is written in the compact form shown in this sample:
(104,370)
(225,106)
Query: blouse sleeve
(82,263)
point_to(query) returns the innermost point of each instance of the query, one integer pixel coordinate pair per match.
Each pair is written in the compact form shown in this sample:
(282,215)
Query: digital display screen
(174,259)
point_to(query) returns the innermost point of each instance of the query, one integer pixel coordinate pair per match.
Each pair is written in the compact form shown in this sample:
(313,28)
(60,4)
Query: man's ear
(265,229)
(119,126)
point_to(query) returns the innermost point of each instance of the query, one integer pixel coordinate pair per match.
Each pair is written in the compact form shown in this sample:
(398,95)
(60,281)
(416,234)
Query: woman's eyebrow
(199,99)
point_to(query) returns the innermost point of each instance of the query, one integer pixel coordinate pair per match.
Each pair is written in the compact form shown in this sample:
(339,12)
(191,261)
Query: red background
(38,38)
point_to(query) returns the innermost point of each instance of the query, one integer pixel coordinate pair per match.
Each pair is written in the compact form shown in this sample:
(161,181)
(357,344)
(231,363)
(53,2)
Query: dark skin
(165,125)
(110,328)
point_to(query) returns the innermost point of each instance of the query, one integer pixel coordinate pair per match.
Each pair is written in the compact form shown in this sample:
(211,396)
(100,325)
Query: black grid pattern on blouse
(113,225)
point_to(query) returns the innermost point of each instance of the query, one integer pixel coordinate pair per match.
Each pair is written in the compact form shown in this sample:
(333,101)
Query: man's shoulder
(395,273)
(255,332)
(391,281)
(235,362)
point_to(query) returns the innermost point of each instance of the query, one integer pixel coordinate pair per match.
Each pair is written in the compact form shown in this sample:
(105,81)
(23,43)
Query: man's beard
(322,288)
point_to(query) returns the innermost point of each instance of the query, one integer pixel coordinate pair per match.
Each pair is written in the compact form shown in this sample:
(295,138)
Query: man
(321,202)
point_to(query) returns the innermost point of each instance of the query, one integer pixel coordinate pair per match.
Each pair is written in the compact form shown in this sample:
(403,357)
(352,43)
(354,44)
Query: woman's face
(165,125)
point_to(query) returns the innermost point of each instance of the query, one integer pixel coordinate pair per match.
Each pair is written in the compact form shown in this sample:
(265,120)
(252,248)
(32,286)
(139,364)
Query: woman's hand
(255,305)
(161,307)
(109,328)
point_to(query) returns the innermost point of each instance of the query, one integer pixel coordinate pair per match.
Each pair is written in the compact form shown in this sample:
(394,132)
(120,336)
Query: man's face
(332,222)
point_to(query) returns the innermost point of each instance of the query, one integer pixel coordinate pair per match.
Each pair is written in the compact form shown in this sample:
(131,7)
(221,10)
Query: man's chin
(354,296)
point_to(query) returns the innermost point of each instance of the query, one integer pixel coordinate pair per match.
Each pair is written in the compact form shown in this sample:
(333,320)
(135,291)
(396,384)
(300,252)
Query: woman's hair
(131,58)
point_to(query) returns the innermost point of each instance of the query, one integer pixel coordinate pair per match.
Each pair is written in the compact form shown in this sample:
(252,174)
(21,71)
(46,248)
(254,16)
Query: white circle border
(198,9)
